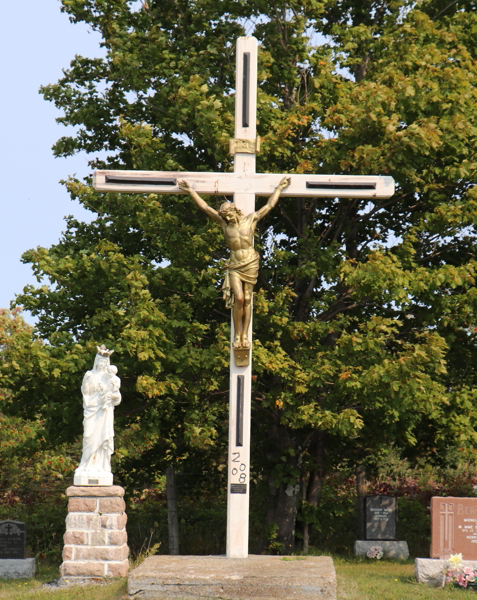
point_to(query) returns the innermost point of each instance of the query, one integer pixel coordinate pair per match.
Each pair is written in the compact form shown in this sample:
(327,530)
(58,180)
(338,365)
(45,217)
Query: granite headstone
(12,539)
(380,518)
(454,527)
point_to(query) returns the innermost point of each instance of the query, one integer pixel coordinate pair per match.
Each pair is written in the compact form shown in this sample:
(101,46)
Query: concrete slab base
(17,568)
(255,577)
(431,570)
(391,549)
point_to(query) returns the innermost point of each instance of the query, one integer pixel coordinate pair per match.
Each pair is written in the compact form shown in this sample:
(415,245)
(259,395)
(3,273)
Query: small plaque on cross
(242,357)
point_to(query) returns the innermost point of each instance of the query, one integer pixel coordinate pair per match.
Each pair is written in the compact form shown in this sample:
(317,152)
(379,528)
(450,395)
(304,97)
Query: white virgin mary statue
(100,391)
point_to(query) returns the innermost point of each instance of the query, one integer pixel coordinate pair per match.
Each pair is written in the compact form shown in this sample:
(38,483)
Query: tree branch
(444,10)
(284,214)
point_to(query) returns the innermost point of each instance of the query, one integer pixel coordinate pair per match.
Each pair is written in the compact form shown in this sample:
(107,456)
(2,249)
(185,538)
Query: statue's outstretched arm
(202,204)
(273,200)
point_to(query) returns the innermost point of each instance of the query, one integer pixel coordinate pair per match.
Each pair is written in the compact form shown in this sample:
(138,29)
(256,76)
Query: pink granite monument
(454,527)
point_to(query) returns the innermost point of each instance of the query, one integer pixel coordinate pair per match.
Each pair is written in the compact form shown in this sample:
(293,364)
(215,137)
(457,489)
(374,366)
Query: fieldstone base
(432,570)
(17,568)
(252,578)
(391,549)
(95,539)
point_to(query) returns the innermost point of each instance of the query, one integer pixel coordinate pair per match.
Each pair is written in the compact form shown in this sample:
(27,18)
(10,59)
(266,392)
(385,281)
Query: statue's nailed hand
(284,183)
(184,185)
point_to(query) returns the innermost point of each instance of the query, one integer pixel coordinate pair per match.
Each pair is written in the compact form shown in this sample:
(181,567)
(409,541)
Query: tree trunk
(315,486)
(361,491)
(282,518)
(172,515)
(284,496)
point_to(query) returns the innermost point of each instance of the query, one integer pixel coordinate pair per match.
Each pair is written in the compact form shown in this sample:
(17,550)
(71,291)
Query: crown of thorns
(227,207)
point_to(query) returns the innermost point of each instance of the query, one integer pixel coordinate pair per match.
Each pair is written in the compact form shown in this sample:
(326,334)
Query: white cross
(244,184)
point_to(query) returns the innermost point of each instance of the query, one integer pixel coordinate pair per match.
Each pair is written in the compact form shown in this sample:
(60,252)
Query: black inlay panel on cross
(239,415)
(131,180)
(246,90)
(340,186)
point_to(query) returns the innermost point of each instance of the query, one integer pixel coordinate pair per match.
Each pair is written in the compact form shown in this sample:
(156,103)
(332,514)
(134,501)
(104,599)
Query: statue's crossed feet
(241,343)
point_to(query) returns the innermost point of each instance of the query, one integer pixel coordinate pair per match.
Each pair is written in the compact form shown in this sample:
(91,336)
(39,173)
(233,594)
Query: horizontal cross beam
(260,184)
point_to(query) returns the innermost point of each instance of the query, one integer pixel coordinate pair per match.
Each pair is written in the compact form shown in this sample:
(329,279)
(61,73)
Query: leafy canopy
(365,329)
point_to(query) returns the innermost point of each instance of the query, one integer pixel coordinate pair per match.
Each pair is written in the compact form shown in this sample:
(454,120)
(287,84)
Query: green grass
(377,580)
(31,589)
(358,579)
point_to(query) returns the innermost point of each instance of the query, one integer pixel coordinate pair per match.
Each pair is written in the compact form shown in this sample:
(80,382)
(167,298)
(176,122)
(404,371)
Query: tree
(365,330)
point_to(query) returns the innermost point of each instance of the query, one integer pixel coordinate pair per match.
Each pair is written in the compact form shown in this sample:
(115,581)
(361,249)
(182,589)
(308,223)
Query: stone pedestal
(251,578)
(391,549)
(95,539)
(17,568)
(431,571)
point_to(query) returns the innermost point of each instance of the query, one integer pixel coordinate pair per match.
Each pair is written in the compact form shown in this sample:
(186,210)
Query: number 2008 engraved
(240,467)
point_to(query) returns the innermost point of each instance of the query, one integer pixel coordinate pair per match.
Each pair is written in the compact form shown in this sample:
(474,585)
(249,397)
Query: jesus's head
(229,212)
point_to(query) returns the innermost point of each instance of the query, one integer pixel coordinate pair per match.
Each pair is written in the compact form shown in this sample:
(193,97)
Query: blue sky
(36,43)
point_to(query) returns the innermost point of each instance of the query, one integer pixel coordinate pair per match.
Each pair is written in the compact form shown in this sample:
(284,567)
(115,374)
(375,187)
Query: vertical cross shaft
(244,183)
(238,486)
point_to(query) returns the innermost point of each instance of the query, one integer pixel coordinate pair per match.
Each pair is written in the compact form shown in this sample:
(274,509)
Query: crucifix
(243,184)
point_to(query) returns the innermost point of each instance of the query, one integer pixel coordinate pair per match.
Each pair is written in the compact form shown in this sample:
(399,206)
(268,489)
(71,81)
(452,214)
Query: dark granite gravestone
(12,539)
(380,518)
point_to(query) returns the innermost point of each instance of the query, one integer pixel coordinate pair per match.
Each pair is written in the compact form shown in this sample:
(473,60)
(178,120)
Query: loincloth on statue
(246,270)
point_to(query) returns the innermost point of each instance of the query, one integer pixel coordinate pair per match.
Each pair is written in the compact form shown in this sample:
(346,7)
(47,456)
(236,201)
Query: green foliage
(414,525)
(33,480)
(365,328)
(202,522)
(334,520)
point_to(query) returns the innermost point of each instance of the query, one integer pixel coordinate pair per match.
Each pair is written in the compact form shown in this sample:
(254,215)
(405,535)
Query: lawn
(357,580)
(31,589)
(378,580)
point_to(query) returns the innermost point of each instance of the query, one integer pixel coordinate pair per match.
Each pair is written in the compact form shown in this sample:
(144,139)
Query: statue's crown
(103,351)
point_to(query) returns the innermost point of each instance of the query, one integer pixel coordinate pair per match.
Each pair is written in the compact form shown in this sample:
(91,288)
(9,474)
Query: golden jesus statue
(242,267)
